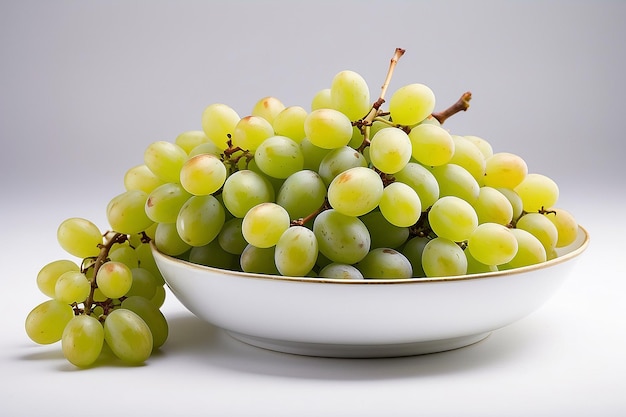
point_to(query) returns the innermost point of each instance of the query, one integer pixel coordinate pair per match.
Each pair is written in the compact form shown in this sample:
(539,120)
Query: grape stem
(462,104)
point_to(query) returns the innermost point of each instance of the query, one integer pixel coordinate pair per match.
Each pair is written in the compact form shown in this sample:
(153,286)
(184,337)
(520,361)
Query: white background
(86,86)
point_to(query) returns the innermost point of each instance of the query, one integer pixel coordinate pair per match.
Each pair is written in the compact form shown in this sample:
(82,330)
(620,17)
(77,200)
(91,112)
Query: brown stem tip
(462,104)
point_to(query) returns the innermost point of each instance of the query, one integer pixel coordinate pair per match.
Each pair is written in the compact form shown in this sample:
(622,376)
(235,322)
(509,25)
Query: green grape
(385,263)
(504,169)
(566,226)
(244,190)
(341,238)
(189,140)
(484,146)
(476,267)
(541,227)
(302,193)
(124,254)
(328,128)
(537,191)
(455,180)
(146,261)
(279,157)
(251,131)
(159,296)
(264,224)
(72,287)
(296,251)
(431,145)
(151,315)
(452,218)
(214,256)
(313,155)
(442,257)
(82,340)
(530,250)
(422,181)
(50,273)
(141,178)
(357,138)
(45,323)
(514,199)
(268,108)
(203,174)
(79,237)
(218,122)
(258,260)
(206,148)
(168,241)
(493,207)
(382,233)
(413,250)
(200,220)
(469,156)
(390,150)
(231,237)
(114,279)
(492,244)
(339,160)
(128,336)
(411,104)
(350,94)
(322,100)
(165,159)
(355,191)
(143,284)
(126,212)
(290,122)
(164,203)
(340,271)
(400,205)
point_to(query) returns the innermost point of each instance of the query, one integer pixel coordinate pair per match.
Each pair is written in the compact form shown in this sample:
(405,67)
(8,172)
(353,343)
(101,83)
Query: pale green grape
(125,254)
(469,156)
(341,238)
(268,108)
(45,323)
(537,191)
(422,181)
(251,131)
(214,256)
(400,205)
(339,160)
(279,157)
(385,263)
(493,207)
(442,257)
(492,244)
(146,261)
(82,340)
(455,180)
(165,159)
(114,279)
(390,150)
(350,94)
(231,237)
(514,199)
(203,174)
(413,250)
(302,194)
(206,148)
(431,144)
(200,220)
(321,100)
(258,260)
(72,287)
(328,128)
(126,212)
(355,191)
(189,140)
(541,227)
(382,233)
(141,178)
(218,122)
(128,336)
(411,104)
(340,271)
(151,315)
(79,237)
(50,273)
(530,250)
(484,146)
(566,226)
(264,224)
(168,241)
(296,251)
(476,267)
(504,169)
(165,201)
(290,122)
(452,218)
(144,284)
(244,190)
(313,155)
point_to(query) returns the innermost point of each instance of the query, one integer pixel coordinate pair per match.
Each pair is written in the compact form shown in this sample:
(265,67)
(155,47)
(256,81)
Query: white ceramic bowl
(365,318)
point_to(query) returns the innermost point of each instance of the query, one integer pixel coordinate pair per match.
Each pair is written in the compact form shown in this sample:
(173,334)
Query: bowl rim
(582,246)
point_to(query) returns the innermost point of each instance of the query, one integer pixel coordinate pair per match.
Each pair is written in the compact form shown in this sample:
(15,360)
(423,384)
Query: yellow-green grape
(431,145)
(79,237)
(165,159)
(484,146)
(341,238)
(146,261)
(514,199)
(258,260)
(191,139)
(50,273)
(390,150)
(530,250)
(542,228)
(214,256)
(454,180)
(251,131)
(339,160)
(203,174)
(159,296)
(411,104)
(128,336)
(492,244)
(356,191)
(279,157)
(72,287)
(504,169)
(290,122)
(442,258)
(357,138)
(126,212)
(165,201)
(400,205)
(200,220)
(231,237)
(206,147)
(141,178)
(467,155)
(566,226)
(340,271)
(537,191)
(245,189)
(321,100)
(268,108)
(493,207)
(264,224)
(422,181)
(296,251)
(413,250)
(114,279)
(168,241)
(302,194)
(45,323)
(82,340)
(218,122)
(144,284)
(476,267)
(125,254)
(350,94)
(385,263)
(328,128)
(151,315)
(383,234)
(313,155)
(452,218)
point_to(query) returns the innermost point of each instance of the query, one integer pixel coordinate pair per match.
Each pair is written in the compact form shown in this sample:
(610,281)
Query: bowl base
(359,351)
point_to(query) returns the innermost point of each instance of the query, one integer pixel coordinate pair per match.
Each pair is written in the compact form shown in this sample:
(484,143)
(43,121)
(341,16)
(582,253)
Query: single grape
(537,191)
(422,181)
(339,160)
(541,227)
(322,100)
(146,261)
(46,322)
(290,122)
(382,233)
(259,260)
(313,154)
(144,284)
(251,131)
(476,267)
(340,271)
(341,238)
(114,279)
(452,218)
(151,315)
(442,257)
(350,94)
(296,251)
(126,212)
(301,194)
(411,104)
(431,145)
(492,206)
(455,180)
(400,205)
(72,287)
(218,122)
(50,273)
(189,140)
(125,254)
(469,156)
(200,220)
(484,146)
(492,244)
(128,336)
(385,263)
(79,237)
(141,178)
(390,150)
(264,224)
(231,237)
(203,174)
(566,226)
(244,190)
(279,157)
(164,202)
(268,108)
(515,200)
(413,250)
(165,159)
(328,128)
(214,256)
(504,169)
(206,148)
(82,340)
(530,250)
(168,241)
(356,191)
